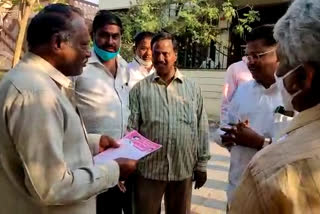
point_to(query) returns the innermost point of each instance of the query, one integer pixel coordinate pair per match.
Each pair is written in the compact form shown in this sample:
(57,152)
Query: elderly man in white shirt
(141,66)
(103,93)
(251,111)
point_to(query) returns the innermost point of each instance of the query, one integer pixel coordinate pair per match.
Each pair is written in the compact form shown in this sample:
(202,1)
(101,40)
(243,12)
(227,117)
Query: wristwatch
(267,141)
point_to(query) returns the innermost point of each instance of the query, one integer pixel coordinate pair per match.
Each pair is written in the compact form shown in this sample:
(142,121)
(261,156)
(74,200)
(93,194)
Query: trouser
(114,201)
(148,195)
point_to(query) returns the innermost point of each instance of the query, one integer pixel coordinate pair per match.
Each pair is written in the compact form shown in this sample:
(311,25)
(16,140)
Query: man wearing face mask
(102,95)
(284,177)
(251,110)
(141,66)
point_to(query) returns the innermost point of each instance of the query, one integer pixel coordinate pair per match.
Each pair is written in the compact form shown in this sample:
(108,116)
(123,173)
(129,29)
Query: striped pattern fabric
(173,116)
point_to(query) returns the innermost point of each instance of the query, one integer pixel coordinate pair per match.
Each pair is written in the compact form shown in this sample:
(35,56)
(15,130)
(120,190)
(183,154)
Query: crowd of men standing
(65,102)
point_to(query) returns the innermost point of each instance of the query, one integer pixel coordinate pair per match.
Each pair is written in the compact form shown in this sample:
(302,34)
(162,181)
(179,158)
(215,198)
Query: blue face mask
(105,55)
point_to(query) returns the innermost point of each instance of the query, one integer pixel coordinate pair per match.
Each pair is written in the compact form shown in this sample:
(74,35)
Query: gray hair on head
(298,32)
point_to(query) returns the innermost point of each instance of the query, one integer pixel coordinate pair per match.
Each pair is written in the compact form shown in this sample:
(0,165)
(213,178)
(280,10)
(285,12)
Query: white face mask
(286,96)
(143,62)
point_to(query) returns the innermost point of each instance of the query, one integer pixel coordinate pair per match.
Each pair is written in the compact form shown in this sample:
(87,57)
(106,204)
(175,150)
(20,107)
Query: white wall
(211,83)
(115,4)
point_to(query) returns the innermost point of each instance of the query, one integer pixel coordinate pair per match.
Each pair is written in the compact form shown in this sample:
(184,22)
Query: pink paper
(133,146)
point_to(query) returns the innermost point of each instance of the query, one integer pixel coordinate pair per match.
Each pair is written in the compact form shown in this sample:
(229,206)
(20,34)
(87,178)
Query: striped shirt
(174,116)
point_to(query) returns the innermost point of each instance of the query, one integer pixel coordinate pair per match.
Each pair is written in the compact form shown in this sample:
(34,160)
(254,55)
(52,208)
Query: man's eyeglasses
(257,56)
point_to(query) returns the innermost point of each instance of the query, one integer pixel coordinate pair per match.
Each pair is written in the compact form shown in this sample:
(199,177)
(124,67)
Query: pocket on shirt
(187,112)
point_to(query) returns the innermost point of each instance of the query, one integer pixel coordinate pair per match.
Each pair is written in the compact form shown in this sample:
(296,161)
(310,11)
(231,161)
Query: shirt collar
(95,60)
(272,89)
(303,118)
(44,66)
(177,76)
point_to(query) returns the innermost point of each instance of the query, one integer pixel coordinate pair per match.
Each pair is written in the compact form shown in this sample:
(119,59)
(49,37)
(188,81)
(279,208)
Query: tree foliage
(197,20)
(26,7)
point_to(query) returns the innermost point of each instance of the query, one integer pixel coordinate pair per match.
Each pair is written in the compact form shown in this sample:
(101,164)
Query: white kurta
(256,104)
(137,72)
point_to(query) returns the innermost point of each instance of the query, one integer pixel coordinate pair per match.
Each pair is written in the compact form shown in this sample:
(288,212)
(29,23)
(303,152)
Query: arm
(134,106)
(228,90)
(246,198)
(40,147)
(203,135)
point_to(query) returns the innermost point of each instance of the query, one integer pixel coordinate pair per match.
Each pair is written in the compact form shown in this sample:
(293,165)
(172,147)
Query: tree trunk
(22,29)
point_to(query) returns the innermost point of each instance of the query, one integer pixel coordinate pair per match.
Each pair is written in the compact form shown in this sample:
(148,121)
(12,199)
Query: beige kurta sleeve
(94,140)
(36,124)
(246,199)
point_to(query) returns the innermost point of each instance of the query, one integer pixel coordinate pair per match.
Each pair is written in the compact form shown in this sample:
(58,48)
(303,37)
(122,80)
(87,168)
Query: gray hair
(298,32)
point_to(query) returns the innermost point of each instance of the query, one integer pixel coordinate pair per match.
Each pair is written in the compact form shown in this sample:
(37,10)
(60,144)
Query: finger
(228,138)
(227,130)
(109,142)
(200,184)
(196,185)
(113,143)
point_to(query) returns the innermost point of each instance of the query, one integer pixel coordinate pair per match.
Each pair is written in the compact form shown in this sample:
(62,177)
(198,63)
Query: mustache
(159,63)
(109,47)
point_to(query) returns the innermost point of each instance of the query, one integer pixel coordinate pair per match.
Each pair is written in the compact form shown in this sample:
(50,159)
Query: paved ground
(212,199)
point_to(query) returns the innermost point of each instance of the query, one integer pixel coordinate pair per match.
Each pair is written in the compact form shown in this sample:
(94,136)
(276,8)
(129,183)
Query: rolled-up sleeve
(203,135)
(36,125)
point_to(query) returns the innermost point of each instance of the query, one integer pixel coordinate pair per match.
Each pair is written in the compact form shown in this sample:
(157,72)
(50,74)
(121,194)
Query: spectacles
(257,56)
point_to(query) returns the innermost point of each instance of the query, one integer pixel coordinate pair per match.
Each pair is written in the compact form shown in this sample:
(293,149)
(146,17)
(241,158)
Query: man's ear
(56,42)
(310,75)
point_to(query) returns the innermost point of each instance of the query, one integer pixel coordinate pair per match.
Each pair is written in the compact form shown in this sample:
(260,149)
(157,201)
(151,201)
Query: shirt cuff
(94,141)
(110,172)
(201,166)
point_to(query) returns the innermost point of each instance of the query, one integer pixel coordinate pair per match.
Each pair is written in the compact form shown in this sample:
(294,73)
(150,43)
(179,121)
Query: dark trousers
(114,201)
(148,195)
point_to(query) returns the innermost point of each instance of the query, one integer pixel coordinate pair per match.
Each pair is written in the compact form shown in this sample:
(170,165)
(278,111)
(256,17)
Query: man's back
(285,175)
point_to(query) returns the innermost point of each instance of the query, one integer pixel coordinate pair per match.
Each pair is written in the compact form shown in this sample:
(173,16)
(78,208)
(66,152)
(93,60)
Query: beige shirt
(46,165)
(284,178)
(103,99)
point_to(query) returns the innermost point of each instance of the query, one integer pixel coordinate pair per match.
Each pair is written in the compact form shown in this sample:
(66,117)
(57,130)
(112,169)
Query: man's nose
(160,58)
(149,52)
(88,54)
(109,40)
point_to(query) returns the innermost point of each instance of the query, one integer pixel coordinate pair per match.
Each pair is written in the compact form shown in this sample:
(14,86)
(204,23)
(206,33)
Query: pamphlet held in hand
(133,146)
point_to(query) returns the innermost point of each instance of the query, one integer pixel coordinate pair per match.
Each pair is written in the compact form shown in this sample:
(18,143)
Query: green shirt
(174,116)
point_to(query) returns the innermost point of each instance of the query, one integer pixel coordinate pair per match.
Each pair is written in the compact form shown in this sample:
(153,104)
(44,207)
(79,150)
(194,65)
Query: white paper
(133,146)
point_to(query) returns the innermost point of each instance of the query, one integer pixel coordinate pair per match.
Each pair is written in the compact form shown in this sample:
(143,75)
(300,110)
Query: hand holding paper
(132,146)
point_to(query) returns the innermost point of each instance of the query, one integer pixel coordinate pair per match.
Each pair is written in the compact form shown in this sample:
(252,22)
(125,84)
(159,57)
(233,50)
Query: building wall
(211,83)
(115,4)
(89,9)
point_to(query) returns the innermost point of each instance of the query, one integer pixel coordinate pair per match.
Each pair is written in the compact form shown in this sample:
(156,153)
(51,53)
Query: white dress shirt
(256,104)
(103,99)
(137,72)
